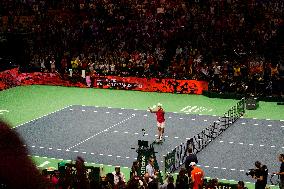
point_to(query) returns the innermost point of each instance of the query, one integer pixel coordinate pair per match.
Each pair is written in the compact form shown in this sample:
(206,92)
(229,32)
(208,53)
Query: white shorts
(161,125)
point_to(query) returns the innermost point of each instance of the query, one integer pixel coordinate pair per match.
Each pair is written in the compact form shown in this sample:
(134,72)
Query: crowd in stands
(226,42)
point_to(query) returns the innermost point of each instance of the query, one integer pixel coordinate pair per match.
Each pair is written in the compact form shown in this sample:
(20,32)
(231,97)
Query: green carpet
(29,102)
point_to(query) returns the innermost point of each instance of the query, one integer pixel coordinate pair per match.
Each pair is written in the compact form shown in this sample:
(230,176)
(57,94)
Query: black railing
(177,156)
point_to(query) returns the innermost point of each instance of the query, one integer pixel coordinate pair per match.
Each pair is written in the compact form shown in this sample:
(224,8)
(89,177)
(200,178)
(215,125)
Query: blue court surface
(106,135)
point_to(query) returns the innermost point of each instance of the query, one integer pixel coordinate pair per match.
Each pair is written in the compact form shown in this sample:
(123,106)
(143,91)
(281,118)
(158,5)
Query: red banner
(11,78)
(151,85)
(8,79)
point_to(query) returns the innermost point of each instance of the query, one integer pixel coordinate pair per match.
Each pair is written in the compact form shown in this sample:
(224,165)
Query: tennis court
(103,125)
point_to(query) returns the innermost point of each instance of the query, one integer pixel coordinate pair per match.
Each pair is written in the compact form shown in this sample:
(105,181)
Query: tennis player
(160,113)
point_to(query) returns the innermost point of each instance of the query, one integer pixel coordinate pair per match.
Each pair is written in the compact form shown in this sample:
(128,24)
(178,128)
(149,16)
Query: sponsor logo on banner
(196,109)
(143,165)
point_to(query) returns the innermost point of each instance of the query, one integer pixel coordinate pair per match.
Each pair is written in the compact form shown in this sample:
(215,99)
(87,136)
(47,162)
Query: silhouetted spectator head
(241,185)
(16,168)
(182,172)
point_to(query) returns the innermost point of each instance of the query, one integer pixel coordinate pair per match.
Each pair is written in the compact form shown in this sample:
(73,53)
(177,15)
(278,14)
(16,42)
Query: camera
(143,143)
(251,172)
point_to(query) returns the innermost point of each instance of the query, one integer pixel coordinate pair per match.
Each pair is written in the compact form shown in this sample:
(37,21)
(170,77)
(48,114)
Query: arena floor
(60,123)
(107,136)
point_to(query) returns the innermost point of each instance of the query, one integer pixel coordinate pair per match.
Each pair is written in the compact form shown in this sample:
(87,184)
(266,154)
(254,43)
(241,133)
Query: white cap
(159,104)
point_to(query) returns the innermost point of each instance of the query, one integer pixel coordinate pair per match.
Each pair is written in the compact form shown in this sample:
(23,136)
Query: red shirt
(160,115)
(197,174)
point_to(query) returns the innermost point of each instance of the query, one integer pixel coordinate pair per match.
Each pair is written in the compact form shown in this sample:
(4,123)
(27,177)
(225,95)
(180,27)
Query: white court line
(109,155)
(43,116)
(241,143)
(133,115)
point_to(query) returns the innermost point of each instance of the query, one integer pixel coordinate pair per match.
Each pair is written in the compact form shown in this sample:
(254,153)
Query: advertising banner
(151,85)
(11,78)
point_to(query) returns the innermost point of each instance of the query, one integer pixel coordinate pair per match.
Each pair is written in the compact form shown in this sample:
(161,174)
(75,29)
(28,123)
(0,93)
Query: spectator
(147,179)
(52,65)
(81,180)
(197,176)
(134,169)
(169,183)
(150,168)
(190,158)
(213,184)
(281,172)
(119,178)
(241,185)
(182,181)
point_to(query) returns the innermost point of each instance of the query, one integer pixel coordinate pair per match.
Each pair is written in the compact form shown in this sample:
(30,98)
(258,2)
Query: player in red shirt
(160,113)
(197,175)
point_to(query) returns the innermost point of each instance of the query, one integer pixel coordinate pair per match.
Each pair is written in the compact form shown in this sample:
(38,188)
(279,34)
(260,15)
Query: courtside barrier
(176,158)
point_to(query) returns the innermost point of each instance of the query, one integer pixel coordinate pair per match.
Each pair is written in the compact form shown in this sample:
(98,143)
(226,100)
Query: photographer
(260,175)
